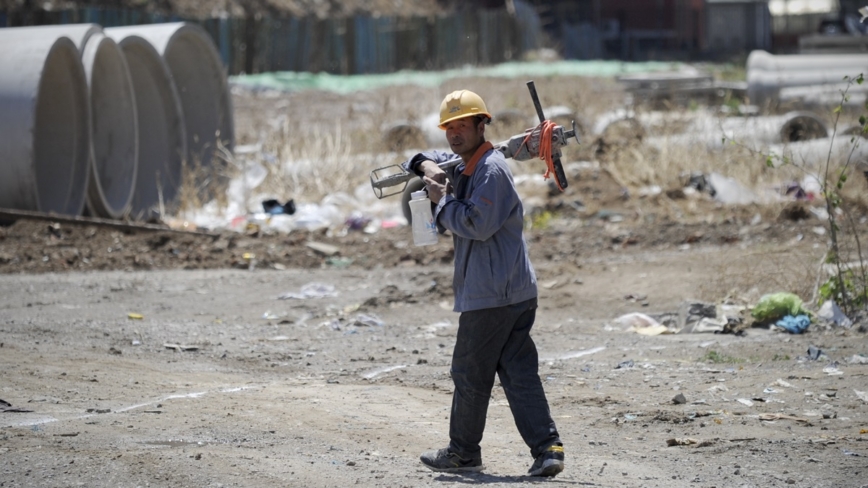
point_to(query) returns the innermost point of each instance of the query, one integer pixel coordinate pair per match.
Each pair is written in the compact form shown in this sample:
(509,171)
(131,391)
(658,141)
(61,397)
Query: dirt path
(349,389)
(167,359)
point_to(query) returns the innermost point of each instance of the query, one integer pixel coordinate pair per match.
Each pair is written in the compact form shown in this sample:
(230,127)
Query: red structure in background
(632,29)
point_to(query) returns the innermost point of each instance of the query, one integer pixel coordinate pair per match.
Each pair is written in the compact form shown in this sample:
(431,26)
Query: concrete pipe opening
(161,136)
(403,135)
(114,136)
(200,80)
(803,126)
(44,124)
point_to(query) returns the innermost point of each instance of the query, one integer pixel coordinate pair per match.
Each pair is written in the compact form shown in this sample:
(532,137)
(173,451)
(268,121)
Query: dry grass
(201,184)
(310,161)
(334,140)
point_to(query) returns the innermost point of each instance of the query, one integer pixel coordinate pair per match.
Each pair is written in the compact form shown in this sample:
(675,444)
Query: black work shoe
(446,461)
(549,463)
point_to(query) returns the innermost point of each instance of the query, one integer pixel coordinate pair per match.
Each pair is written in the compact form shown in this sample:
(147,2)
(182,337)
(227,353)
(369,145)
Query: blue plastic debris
(794,324)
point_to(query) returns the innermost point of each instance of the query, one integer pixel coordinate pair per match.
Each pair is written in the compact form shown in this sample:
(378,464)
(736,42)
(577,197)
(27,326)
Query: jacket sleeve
(490,204)
(412,164)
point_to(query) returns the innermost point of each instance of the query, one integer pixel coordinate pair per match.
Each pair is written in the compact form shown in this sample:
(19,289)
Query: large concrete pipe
(759,60)
(763,87)
(114,128)
(77,33)
(44,124)
(402,135)
(813,155)
(162,138)
(762,131)
(200,79)
(754,132)
(113,137)
(822,97)
(767,73)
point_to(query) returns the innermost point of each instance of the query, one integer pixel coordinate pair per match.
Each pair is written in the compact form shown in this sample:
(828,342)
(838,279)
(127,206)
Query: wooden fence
(354,45)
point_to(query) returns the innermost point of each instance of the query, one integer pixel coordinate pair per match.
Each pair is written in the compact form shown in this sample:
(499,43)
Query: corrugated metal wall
(361,44)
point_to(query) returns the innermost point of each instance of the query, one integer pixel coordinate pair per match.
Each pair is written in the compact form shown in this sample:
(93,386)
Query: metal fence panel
(360,44)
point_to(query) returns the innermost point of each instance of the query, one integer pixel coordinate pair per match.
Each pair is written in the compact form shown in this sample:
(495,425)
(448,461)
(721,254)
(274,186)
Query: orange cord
(546,128)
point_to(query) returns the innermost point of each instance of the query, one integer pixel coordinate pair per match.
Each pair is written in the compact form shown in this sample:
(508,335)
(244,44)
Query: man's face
(465,135)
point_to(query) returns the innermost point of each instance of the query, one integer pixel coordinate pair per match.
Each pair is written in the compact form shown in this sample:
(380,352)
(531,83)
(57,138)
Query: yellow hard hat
(459,104)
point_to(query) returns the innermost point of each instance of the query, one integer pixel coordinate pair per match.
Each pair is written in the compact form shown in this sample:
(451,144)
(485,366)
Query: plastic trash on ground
(832,313)
(775,306)
(311,290)
(729,191)
(794,324)
(641,324)
(368,320)
(274,207)
(858,359)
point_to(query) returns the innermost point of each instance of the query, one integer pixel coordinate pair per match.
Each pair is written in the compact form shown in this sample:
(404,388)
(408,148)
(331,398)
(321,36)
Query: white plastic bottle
(424,228)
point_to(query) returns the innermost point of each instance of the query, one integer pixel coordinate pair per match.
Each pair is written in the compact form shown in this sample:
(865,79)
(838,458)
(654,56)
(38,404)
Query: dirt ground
(158,358)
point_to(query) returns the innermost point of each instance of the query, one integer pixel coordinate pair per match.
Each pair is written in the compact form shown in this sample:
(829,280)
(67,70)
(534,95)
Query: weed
(717,358)
(541,220)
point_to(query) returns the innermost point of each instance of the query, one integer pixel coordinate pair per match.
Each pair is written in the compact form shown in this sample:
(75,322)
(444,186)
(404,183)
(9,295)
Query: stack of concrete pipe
(768,74)
(102,122)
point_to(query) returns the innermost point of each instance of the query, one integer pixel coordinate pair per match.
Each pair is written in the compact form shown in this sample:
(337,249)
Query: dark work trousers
(497,340)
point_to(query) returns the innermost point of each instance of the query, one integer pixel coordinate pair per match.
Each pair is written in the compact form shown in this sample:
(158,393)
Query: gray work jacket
(485,216)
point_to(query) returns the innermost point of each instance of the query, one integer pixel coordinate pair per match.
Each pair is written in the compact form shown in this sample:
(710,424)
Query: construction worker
(495,292)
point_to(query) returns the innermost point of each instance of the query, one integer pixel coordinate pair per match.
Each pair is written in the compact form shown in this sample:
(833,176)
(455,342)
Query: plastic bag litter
(794,324)
(775,306)
(311,290)
(832,313)
(368,320)
(641,324)
(729,191)
(858,359)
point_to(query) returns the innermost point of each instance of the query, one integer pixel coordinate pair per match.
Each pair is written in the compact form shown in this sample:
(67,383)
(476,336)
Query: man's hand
(431,170)
(437,190)
(435,179)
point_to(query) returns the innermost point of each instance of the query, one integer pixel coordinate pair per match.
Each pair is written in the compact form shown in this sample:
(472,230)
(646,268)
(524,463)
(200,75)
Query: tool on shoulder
(543,141)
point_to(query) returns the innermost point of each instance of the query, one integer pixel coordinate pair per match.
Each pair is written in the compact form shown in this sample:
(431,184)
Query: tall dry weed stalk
(202,183)
(311,162)
(848,285)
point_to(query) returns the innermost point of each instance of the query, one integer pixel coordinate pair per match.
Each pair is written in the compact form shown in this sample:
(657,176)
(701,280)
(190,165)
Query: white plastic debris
(832,313)
(369,320)
(641,324)
(311,290)
(832,371)
(729,191)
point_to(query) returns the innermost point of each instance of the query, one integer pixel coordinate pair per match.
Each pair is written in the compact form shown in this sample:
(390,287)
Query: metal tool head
(390,177)
(572,133)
